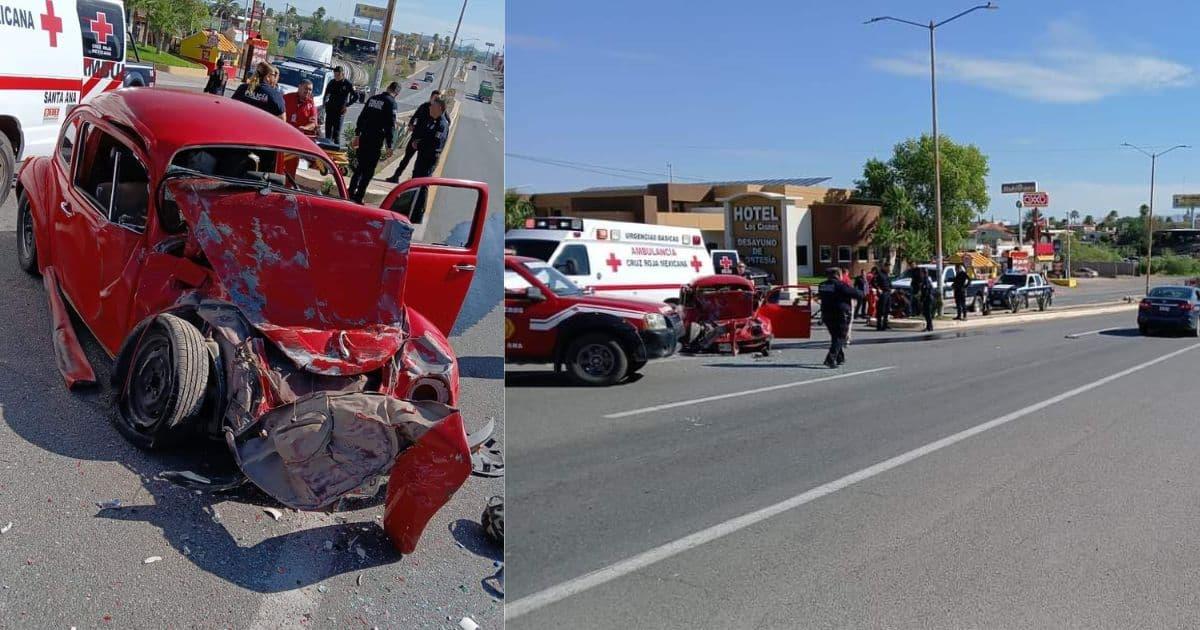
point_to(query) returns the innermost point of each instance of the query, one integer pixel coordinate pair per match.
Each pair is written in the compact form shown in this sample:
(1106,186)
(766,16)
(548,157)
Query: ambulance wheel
(165,388)
(8,167)
(596,359)
(26,243)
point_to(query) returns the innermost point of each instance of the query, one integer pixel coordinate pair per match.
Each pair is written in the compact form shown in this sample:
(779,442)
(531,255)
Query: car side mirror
(534,294)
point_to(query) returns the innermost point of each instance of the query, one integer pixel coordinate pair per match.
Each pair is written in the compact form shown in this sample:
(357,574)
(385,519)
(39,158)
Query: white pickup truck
(977,290)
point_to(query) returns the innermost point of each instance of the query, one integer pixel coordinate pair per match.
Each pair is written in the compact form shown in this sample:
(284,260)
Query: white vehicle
(57,53)
(317,52)
(292,71)
(614,258)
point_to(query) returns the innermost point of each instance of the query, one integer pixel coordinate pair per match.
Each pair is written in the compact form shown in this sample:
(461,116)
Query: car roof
(168,120)
(1174,286)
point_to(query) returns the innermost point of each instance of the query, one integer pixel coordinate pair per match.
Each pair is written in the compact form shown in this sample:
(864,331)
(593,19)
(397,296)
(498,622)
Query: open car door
(447,217)
(789,308)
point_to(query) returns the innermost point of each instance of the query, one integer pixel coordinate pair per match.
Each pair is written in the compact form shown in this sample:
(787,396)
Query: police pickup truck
(1017,290)
(977,290)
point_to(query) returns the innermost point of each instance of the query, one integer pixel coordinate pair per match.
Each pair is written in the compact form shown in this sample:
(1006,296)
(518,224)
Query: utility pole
(937,161)
(1150,215)
(453,40)
(381,58)
(670,173)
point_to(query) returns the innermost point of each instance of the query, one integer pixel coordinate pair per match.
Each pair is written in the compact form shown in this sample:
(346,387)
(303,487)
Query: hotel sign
(756,224)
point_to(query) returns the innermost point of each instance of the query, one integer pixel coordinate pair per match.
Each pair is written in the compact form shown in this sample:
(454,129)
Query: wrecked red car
(727,314)
(210,250)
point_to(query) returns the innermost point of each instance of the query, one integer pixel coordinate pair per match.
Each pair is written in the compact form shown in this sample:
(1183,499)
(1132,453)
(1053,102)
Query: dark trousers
(927,311)
(409,151)
(368,159)
(333,124)
(883,310)
(960,304)
(860,308)
(839,330)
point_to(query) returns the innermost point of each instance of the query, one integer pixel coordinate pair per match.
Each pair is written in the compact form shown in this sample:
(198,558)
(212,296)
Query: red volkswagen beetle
(210,249)
(725,313)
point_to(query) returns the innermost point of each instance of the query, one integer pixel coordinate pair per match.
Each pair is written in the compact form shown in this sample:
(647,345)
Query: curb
(981,321)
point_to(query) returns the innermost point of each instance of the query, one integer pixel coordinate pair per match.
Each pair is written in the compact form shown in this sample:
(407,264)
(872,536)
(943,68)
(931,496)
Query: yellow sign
(509,328)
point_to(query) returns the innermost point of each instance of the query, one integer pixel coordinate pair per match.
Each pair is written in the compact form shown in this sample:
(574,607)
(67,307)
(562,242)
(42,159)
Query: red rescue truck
(599,340)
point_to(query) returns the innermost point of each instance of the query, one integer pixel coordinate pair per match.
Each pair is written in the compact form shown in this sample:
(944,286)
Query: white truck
(312,60)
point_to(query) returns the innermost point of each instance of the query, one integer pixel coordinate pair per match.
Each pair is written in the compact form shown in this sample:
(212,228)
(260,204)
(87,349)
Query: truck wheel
(165,385)
(26,243)
(596,359)
(8,167)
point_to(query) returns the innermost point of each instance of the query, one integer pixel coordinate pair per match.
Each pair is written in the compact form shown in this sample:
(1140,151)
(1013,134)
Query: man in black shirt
(375,127)
(339,96)
(836,308)
(419,118)
(429,136)
(883,308)
(960,292)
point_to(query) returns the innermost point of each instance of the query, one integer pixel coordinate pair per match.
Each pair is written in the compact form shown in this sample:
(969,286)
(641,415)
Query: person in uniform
(375,127)
(883,307)
(419,118)
(837,298)
(430,138)
(339,96)
(923,295)
(960,292)
(260,90)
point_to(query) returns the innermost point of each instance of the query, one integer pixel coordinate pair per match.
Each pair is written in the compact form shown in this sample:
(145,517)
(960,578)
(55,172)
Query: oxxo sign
(756,224)
(1035,199)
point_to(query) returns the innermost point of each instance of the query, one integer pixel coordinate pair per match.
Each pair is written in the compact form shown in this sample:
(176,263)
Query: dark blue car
(1170,308)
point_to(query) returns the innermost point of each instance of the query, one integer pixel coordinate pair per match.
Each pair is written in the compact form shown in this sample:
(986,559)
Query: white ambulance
(615,258)
(56,53)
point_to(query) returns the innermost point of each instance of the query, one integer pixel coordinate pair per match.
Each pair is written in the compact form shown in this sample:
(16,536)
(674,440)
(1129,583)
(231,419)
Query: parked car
(977,290)
(236,295)
(414,86)
(1017,290)
(1086,272)
(1170,308)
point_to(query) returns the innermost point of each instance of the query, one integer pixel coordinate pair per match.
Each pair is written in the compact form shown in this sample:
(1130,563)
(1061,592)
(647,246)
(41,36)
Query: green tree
(913,232)
(1110,219)
(319,14)
(516,209)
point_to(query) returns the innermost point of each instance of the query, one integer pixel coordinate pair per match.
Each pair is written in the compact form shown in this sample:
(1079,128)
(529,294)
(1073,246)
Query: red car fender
(423,479)
(419,325)
(38,181)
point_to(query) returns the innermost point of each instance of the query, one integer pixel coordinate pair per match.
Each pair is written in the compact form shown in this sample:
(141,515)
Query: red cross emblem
(613,261)
(52,24)
(100,27)
(726,264)
(696,264)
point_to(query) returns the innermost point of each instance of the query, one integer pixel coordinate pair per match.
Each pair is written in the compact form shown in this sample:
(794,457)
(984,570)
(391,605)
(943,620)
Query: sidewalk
(1005,318)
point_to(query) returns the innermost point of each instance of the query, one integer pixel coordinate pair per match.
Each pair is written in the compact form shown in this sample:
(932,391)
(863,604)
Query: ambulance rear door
(102,30)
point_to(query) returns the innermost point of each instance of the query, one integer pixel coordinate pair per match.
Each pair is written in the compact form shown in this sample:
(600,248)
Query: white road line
(694,401)
(607,574)
(1093,332)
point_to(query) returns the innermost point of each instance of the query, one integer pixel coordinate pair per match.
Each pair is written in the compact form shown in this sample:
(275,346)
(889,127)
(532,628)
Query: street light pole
(454,39)
(1150,214)
(937,158)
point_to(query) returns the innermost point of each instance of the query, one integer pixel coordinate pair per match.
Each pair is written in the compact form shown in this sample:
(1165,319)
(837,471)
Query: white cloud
(1071,68)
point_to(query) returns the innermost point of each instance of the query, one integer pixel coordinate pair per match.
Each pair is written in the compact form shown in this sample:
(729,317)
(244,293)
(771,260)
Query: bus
(358,48)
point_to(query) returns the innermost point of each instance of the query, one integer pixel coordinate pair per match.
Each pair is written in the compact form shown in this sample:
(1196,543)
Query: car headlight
(655,321)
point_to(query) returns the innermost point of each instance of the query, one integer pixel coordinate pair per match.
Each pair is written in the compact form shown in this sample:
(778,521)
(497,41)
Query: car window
(113,179)
(66,146)
(298,172)
(514,283)
(573,261)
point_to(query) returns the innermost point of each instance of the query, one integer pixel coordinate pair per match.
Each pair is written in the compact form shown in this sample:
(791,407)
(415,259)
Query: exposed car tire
(26,242)
(168,375)
(596,359)
(8,167)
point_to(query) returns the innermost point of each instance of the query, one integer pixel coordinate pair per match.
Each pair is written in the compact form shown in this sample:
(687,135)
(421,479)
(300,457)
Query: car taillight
(1186,306)
(1144,304)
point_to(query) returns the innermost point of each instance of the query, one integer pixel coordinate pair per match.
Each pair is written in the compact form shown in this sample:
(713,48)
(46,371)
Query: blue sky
(484,19)
(727,90)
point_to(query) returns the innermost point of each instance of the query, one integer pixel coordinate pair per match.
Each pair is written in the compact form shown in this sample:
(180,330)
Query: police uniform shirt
(430,134)
(378,118)
(340,93)
(264,97)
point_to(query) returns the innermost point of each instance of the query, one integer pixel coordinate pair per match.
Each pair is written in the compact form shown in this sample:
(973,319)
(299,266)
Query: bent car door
(789,308)
(447,217)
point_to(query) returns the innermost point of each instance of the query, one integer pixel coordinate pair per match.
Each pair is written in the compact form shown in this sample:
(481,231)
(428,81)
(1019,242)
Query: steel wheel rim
(597,359)
(153,381)
(26,230)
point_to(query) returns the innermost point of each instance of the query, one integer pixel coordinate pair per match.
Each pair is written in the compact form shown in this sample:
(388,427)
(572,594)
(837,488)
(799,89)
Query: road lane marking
(563,590)
(1093,332)
(759,390)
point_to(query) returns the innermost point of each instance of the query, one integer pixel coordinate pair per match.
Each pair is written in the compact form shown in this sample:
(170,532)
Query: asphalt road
(225,562)
(1077,509)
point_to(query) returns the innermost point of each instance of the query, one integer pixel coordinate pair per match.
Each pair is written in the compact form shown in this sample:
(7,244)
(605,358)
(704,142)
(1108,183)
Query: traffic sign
(1035,199)
(1018,187)
(1186,201)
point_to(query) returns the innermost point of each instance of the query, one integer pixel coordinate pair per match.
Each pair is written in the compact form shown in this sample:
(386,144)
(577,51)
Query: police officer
(429,137)
(339,96)
(883,308)
(960,292)
(837,297)
(923,294)
(375,127)
(418,119)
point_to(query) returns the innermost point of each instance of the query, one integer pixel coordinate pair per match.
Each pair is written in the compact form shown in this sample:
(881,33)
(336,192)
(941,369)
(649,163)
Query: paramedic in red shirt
(301,111)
